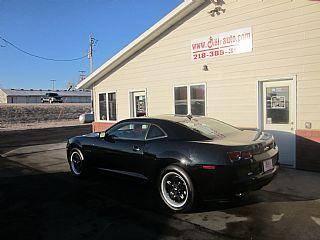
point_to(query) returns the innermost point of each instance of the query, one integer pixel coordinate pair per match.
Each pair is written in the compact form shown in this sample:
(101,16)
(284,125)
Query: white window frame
(107,107)
(189,96)
(174,99)
(130,93)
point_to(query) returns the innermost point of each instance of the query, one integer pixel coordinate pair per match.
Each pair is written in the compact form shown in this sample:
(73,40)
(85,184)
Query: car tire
(77,163)
(176,189)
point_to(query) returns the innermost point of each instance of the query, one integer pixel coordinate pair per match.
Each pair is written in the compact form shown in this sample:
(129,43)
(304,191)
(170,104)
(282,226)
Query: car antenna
(189,116)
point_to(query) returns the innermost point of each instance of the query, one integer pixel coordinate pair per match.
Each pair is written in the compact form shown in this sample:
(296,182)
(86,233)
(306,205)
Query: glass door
(279,117)
(138,104)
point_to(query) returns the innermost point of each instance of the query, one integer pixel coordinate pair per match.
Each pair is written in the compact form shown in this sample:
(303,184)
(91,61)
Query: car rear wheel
(176,189)
(77,163)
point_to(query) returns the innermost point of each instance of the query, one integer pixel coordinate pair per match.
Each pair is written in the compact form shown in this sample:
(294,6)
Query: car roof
(171,124)
(167,117)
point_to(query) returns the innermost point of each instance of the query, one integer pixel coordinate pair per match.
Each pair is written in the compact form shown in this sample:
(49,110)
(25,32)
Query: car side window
(155,132)
(134,131)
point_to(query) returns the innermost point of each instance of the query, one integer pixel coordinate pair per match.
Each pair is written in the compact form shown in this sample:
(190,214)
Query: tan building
(250,63)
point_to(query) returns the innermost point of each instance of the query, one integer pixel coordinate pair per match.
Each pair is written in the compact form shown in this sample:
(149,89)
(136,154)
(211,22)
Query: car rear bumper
(226,181)
(255,182)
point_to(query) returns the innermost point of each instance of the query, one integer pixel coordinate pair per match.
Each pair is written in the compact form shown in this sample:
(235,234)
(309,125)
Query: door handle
(135,148)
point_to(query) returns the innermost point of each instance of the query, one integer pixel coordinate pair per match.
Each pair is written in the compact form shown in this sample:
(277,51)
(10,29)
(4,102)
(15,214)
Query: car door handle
(135,148)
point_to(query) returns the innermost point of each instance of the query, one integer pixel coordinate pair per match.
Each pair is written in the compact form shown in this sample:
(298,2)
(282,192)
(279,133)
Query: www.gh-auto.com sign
(227,43)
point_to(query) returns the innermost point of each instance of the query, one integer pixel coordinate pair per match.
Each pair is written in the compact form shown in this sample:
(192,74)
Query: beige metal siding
(3,97)
(286,42)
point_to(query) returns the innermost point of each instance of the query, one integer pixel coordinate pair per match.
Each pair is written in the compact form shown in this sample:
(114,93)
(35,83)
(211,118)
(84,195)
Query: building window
(112,106)
(108,106)
(102,106)
(181,100)
(190,100)
(197,98)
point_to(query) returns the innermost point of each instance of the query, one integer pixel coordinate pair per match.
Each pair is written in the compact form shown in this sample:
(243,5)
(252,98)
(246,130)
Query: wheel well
(167,163)
(72,146)
(179,165)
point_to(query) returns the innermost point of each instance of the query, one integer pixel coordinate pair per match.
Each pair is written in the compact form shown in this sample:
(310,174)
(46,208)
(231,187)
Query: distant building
(34,96)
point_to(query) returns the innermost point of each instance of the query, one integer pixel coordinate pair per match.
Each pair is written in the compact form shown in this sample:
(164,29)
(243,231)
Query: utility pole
(53,81)
(92,42)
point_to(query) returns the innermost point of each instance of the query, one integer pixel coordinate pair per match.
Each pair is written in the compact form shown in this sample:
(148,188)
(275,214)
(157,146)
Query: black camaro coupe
(185,157)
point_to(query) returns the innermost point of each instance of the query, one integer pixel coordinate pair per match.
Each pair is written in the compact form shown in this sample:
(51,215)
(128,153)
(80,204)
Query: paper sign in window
(278,102)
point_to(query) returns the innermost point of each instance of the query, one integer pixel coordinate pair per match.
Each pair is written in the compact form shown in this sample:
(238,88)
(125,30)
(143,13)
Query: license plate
(267,165)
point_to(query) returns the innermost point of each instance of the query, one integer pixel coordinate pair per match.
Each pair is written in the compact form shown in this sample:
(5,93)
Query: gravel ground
(33,113)
(34,116)
(39,125)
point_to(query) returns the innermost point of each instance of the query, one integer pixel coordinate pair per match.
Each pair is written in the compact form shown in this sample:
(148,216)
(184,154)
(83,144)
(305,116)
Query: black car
(185,157)
(52,98)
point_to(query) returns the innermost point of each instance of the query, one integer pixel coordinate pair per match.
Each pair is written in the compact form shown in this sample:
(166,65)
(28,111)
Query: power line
(37,56)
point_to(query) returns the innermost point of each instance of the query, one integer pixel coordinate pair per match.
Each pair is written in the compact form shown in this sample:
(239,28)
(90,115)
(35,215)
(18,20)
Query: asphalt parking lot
(39,199)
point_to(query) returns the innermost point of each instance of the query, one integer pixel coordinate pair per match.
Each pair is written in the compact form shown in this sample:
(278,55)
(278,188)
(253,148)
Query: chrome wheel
(174,190)
(76,162)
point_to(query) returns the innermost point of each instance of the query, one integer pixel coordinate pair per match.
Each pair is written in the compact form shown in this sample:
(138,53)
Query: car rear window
(210,127)
(155,132)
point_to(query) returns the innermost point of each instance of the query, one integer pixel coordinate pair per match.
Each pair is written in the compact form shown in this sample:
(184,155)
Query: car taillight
(208,167)
(236,156)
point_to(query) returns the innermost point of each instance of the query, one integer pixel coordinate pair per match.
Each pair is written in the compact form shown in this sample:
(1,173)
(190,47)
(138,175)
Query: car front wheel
(176,189)
(77,163)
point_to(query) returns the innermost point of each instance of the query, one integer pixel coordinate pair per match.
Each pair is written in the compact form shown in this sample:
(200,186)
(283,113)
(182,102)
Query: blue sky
(61,28)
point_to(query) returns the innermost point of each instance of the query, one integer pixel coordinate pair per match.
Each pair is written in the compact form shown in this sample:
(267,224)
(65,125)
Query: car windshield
(53,94)
(209,127)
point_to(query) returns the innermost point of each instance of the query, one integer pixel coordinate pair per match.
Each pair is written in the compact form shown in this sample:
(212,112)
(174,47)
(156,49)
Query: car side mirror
(102,135)
(107,137)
